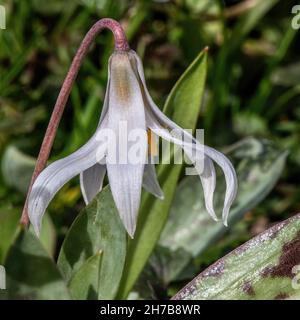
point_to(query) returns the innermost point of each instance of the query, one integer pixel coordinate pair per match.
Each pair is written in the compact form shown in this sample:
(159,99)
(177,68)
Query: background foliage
(251,95)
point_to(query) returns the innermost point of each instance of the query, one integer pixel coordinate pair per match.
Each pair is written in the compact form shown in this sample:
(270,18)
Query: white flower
(127,99)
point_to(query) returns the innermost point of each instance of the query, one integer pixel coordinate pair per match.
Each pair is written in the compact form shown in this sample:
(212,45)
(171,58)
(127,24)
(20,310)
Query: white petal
(156,117)
(91,181)
(218,157)
(208,180)
(230,178)
(126,105)
(155,111)
(126,183)
(106,99)
(55,176)
(150,182)
(207,174)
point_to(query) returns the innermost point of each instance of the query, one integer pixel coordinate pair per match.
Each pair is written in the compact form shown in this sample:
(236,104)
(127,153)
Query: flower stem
(121,44)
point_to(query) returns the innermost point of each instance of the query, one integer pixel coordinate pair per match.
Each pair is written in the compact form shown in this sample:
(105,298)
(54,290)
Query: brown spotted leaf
(266,267)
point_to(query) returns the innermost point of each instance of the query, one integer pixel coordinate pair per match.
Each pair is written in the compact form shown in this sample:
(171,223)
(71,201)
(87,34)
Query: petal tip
(34,217)
(36,224)
(131,232)
(160,196)
(131,236)
(36,229)
(212,213)
(215,218)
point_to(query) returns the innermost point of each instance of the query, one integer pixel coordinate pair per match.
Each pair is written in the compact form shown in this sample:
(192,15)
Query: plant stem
(121,44)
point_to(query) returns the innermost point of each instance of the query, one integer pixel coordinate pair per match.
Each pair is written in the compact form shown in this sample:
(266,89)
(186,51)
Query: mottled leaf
(97,228)
(266,267)
(154,213)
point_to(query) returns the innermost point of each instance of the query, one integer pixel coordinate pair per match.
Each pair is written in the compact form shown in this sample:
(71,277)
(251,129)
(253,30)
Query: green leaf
(258,164)
(9,219)
(163,265)
(184,102)
(17,169)
(84,285)
(183,106)
(48,235)
(31,273)
(97,228)
(9,228)
(266,267)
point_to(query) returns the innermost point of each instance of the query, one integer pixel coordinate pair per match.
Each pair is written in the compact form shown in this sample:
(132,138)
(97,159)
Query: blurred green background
(253,86)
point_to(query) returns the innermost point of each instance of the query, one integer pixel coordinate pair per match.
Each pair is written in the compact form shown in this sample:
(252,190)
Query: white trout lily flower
(127,99)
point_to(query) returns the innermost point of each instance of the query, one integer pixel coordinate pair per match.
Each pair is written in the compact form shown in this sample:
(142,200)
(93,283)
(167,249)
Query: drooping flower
(127,100)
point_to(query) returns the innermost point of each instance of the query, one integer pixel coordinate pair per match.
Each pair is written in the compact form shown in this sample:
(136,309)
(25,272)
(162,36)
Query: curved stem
(120,45)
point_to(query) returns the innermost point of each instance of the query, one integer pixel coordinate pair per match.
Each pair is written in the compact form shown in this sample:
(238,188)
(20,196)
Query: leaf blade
(262,268)
(31,273)
(97,228)
(84,284)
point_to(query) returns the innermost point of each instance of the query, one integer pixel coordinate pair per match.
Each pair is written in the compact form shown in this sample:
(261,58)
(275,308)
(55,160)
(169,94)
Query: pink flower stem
(120,45)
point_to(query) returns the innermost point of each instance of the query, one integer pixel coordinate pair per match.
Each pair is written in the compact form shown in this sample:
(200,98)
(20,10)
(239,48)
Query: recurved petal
(204,166)
(150,182)
(155,111)
(91,181)
(157,118)
(208,180)
(207,174)
(218,157)
(230,178)
(55,176)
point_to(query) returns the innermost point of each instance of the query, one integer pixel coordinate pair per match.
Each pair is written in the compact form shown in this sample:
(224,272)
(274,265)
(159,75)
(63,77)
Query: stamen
(152,144)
